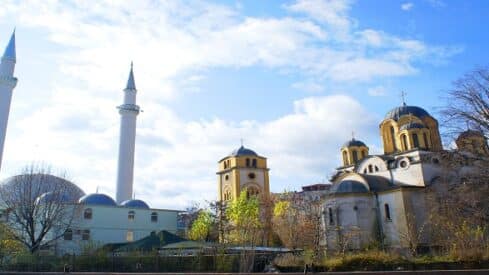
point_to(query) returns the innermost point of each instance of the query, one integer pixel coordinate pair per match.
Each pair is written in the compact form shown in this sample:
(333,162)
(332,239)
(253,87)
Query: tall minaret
(7,85)
(125,170)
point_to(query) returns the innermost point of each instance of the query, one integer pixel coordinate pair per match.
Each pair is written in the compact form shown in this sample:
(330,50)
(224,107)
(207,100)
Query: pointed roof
(10,50)
(131,85)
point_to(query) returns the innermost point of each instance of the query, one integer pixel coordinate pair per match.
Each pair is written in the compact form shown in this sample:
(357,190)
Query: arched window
(251,191)
(393,138)
(415,140)
(130,236)
(131,215)
(68,235)
(254,163)
(370,168)
(247,162)
(404,142)
(355,156)
(86,235)
(387,212)
(364,154)
(225,164)
(376,168)
(426,144)
(345,158)
(330,216)
(87,214)
(154,217)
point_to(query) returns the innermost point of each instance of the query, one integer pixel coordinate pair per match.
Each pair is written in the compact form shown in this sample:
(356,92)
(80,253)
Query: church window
(130,236)
(254,163)
(364,154)
(225,165)
(86,235)
(345,157)
(376,168)
(425,138)
(68,235)
(370,168)
(415,140)
(226,177)
(355,156)
(251,191)
(154,217)
(251,176)
(365,171)
(403,164)
(247,162)
(131,215)
(87,214)
(330,216)
(404,142)
(387,212)
(393,138)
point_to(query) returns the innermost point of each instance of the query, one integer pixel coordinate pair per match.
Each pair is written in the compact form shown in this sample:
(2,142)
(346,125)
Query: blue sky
(292,78)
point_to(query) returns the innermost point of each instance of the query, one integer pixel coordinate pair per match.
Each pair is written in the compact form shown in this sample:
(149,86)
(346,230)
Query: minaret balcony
(128,108)
(9,81)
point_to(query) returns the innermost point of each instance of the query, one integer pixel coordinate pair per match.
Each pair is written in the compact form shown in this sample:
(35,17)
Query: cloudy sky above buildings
(292,78)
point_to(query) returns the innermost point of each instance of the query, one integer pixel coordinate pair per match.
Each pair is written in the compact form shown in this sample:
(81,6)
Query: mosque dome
(42,184)
(97,199)
(400,111)
(348,186)
(412,125)
(354,142)
(135,204)
(242,151)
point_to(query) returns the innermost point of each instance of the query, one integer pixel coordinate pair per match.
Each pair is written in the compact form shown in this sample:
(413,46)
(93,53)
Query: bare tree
(467,103)
(40,207)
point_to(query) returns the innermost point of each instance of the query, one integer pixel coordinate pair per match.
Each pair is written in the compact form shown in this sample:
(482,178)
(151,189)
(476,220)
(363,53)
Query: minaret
(7,85)
(125,169)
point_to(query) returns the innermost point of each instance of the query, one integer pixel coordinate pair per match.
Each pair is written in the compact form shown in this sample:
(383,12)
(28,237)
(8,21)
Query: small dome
(354,142)
(412,125)
(348,186)
(242,151)
(400,111)
(135,204)
(97,199)
(471,133)
(42,183)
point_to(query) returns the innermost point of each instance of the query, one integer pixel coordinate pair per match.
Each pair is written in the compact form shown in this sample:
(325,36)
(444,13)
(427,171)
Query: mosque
(100,219)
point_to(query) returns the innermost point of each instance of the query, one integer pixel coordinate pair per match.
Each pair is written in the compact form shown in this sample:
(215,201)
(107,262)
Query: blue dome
(97,199)
(135,204)
(412,125)
(400,111)
(354,142)
(348,186)
(242,151)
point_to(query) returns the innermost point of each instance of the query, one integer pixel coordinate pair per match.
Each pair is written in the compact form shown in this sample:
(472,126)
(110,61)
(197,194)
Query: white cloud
(407,6)
(377,91)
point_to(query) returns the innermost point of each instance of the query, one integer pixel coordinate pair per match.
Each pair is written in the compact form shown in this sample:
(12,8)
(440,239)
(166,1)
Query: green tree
(9,247)
(201,227)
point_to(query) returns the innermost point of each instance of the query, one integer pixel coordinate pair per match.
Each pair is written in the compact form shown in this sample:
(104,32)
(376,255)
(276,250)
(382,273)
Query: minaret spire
(7,85)
(10,52)
(127,141)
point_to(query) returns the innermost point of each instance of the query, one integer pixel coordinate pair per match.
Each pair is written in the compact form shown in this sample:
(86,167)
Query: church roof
(242,151)
(412,125)
(10,50)
(354,142)
(403,110)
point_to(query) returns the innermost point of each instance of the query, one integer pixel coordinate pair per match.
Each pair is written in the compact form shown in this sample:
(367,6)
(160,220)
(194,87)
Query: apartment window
(154,217)
(131,215)
(86,235)
(330,216)
(68,235)
(387,212)
(130,236)
(87,214)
